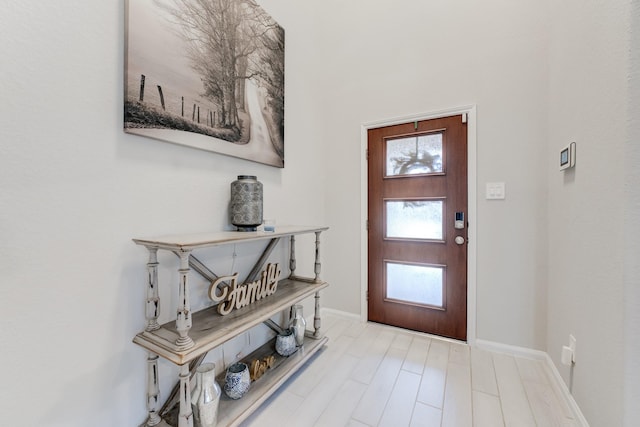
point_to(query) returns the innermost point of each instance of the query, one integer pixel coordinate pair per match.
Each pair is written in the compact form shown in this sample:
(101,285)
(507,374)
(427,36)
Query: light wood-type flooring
(375,375)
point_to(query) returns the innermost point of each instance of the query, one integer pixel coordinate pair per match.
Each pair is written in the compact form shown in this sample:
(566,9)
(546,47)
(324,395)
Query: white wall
(74,190)
(382,60)
(590,230)
(631,409)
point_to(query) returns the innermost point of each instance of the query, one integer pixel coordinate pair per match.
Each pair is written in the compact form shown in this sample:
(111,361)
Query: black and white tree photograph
(208,74)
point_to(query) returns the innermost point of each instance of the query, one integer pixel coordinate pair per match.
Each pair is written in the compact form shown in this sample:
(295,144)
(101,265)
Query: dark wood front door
(417,192)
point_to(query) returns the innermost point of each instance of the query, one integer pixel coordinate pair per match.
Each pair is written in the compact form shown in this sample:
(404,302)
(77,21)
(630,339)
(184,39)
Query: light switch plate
(495,191)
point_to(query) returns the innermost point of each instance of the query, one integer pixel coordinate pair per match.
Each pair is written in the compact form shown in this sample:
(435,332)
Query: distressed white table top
(186,242)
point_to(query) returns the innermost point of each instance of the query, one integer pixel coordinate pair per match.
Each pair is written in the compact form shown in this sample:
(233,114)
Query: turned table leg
(292,256)
(153,390)
(151,313)
(183,318)
(185,415)
(317,265)
(316,317)
(317,268)
(153,300)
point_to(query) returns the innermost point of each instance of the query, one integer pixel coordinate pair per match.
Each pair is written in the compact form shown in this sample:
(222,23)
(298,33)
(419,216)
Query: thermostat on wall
(568,156)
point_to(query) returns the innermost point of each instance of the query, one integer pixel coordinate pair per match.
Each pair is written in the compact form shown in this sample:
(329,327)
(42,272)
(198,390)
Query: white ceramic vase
(206,396)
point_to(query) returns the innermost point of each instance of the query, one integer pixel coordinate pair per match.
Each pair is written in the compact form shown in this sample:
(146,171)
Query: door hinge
(367,154)
(367,295)
(367,224)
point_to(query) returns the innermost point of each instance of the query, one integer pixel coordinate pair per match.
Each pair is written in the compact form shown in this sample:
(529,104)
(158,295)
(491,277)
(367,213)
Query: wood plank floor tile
(417,355)
(338,411)
(316,369)
(372,404)
(314,404)
(515,405)
(459,353)
(403,397)
(354,423)
(402,340)
(327,321)
(457,410)
(545,406)
(365,340)
(435,375)
(355,328)
(275,411)
(425,416)
(483,374)
(337,328)
(560,399)
(535,371)
(486,410)
(370,361)
(532,370)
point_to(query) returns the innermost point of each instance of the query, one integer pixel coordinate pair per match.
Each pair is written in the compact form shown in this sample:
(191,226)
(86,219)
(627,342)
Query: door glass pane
(414,155)
(418,284)
(414,219)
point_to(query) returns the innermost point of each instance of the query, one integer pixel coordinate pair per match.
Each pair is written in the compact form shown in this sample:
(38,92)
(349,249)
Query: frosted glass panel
(414,219)
(417,284)
(414,155)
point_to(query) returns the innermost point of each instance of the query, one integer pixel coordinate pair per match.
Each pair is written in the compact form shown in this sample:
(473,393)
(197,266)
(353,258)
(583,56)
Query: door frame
(472,172)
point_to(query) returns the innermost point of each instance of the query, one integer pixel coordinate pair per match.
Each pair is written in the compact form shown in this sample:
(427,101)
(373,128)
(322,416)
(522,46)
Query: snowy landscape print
(208,74)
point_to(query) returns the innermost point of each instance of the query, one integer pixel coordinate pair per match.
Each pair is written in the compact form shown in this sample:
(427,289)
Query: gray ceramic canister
(246,203)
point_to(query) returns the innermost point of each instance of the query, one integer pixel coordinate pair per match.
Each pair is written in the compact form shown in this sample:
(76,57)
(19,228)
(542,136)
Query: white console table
(186,340)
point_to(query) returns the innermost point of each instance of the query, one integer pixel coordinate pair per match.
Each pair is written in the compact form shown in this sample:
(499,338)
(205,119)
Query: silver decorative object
(297,324)
(286,343)
(206,396)
(246,203)
(237,380)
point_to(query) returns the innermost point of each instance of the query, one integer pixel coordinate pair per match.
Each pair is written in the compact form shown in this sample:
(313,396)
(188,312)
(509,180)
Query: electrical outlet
(566,356)
(572,346)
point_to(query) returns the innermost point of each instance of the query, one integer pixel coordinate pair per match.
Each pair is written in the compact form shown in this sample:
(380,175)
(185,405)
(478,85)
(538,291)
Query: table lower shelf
(233,412)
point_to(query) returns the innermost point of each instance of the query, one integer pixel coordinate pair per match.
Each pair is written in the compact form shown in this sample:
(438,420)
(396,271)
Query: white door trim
(472,172)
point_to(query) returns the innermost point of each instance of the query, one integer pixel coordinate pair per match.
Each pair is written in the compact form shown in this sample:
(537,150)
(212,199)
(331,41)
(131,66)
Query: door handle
(459,240)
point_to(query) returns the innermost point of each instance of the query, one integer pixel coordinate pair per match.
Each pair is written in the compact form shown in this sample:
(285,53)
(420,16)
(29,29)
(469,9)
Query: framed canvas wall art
(207,74)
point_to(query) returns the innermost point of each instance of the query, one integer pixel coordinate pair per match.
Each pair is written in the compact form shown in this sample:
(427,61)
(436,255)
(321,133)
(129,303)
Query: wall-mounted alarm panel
(568,156)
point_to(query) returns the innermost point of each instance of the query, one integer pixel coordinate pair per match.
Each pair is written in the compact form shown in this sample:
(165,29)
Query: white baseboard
(564,391)
(558,383)
(346,314)
(511,349)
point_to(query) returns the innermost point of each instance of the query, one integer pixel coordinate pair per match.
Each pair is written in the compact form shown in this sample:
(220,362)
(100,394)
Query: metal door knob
(459,240)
